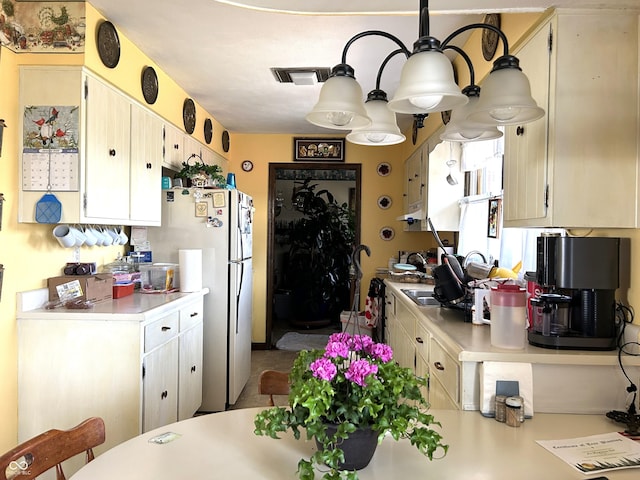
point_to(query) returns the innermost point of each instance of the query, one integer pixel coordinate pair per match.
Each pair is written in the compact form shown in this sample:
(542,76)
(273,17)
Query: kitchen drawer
(191,315)
(422,341)
(445,369)
(161,331)
(406,319)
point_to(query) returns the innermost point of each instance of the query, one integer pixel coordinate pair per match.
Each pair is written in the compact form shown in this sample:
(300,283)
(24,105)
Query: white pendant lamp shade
(340,106)
(427,85)
(461,129)
(383,129)
(506,99)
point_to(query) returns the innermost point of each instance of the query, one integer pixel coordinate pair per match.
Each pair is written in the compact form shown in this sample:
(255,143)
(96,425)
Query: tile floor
(272,359)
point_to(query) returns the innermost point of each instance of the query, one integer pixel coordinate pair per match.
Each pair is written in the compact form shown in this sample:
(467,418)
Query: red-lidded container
(122,290)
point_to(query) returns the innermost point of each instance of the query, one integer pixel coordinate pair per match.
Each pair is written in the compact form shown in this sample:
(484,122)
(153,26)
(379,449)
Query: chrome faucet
(419,255)
(472,253)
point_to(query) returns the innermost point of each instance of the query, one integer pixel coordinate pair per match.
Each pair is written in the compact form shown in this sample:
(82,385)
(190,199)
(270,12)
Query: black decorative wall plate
(225,141)
(149,82)
(189,115)
(490,39)
(208,131)
(108,44)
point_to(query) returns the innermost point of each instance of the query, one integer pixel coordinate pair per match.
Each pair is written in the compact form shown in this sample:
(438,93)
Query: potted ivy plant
(352,386)
(321,243)
(201,174)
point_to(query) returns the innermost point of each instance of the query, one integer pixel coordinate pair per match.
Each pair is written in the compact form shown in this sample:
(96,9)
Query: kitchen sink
(421,297)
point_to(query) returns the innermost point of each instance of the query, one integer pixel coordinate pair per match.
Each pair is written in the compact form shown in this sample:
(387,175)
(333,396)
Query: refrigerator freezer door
(240,241)
(240,306)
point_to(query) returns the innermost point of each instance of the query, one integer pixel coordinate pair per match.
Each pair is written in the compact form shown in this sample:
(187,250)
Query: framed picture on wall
(493,223)
(318,149)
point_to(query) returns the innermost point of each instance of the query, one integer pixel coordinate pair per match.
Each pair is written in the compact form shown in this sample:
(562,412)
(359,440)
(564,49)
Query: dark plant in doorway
(320,255)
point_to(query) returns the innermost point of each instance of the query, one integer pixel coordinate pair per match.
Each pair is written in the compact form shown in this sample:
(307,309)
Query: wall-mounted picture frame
(493,223)
(318,149)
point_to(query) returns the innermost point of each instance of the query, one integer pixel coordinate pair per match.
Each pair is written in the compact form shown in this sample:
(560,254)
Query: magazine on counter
(596,453)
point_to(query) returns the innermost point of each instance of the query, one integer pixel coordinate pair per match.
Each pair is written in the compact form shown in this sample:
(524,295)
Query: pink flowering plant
(353,383)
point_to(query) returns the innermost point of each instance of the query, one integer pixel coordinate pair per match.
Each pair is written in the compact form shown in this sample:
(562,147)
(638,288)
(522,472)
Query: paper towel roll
(190,270)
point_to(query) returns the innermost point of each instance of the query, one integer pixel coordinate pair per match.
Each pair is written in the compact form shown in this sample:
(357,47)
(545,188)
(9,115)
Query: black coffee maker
(580,275)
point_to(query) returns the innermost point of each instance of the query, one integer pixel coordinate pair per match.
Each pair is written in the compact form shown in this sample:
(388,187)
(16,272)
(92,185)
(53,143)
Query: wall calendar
(50,154)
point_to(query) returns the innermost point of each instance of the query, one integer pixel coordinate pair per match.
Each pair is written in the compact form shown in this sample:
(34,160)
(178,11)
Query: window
(482,163)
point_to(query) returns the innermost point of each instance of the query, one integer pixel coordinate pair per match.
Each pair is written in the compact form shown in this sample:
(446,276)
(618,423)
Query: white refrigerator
(219,222)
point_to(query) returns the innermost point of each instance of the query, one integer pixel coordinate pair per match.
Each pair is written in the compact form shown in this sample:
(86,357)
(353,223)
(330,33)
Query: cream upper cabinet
(577,167)
(428,193)
(112,175)
(173,151)
(192,147)
(107,134)
(146,166)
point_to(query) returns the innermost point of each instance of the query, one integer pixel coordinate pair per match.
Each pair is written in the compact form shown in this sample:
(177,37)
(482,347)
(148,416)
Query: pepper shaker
(513,411)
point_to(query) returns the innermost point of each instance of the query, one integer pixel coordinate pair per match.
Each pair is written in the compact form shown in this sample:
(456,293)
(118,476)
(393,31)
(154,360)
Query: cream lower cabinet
(136,371)
(414,347)
(190,363)
(577,166)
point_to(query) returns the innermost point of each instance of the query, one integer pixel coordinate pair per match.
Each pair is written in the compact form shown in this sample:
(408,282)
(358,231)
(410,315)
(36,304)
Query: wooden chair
(49,449)
(273,382)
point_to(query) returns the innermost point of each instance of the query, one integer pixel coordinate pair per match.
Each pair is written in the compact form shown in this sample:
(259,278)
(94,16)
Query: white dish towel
(490,372)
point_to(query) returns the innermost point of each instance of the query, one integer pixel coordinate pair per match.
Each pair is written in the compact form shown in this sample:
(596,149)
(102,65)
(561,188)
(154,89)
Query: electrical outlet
(632,334)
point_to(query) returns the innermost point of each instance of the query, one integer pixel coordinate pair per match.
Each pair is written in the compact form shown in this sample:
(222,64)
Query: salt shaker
(501,408)
(513,411)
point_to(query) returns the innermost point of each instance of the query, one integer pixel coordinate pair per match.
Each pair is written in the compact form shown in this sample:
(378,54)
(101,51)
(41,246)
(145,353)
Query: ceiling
(221,52)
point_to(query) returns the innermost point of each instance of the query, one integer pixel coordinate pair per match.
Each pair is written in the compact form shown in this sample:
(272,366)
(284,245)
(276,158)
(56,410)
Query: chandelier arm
(384,64)
(463,54)
(379,33)
(471,26)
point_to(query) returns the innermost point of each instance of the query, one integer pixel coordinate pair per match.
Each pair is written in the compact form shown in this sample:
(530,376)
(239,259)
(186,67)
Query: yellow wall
(265,149)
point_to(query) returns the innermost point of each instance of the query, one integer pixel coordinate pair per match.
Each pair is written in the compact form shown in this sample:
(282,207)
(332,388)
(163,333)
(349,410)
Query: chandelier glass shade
(506,96)
(384,128)
(427,85)
(341,104)
(461,129)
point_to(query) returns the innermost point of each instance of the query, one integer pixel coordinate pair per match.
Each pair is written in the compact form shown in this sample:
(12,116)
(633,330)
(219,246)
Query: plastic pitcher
(508,316)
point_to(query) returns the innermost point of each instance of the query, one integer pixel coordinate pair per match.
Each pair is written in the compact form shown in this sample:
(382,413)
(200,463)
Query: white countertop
(473,342)
(223,445)
(135,307)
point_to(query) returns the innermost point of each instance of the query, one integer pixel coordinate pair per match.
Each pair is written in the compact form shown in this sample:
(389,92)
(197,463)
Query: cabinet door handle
(164,394)
(194,314)
(149,166)
(193,369)
(176,146)
(112,152)
(164,329)
(419,340)
(519,130)
(438,366)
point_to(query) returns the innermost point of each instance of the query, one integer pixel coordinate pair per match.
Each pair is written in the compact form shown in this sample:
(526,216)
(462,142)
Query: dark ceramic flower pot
(358,448)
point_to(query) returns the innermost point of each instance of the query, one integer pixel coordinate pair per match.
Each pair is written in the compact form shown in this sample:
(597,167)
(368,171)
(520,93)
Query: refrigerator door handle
(239,292)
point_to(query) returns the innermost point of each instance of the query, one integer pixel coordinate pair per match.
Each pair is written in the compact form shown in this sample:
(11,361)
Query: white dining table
(223,445)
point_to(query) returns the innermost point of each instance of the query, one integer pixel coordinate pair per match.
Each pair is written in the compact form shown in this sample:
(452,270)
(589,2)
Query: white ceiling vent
(301,76)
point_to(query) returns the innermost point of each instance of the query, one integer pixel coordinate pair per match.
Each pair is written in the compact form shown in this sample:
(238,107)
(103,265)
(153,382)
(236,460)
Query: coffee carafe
(580,275)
